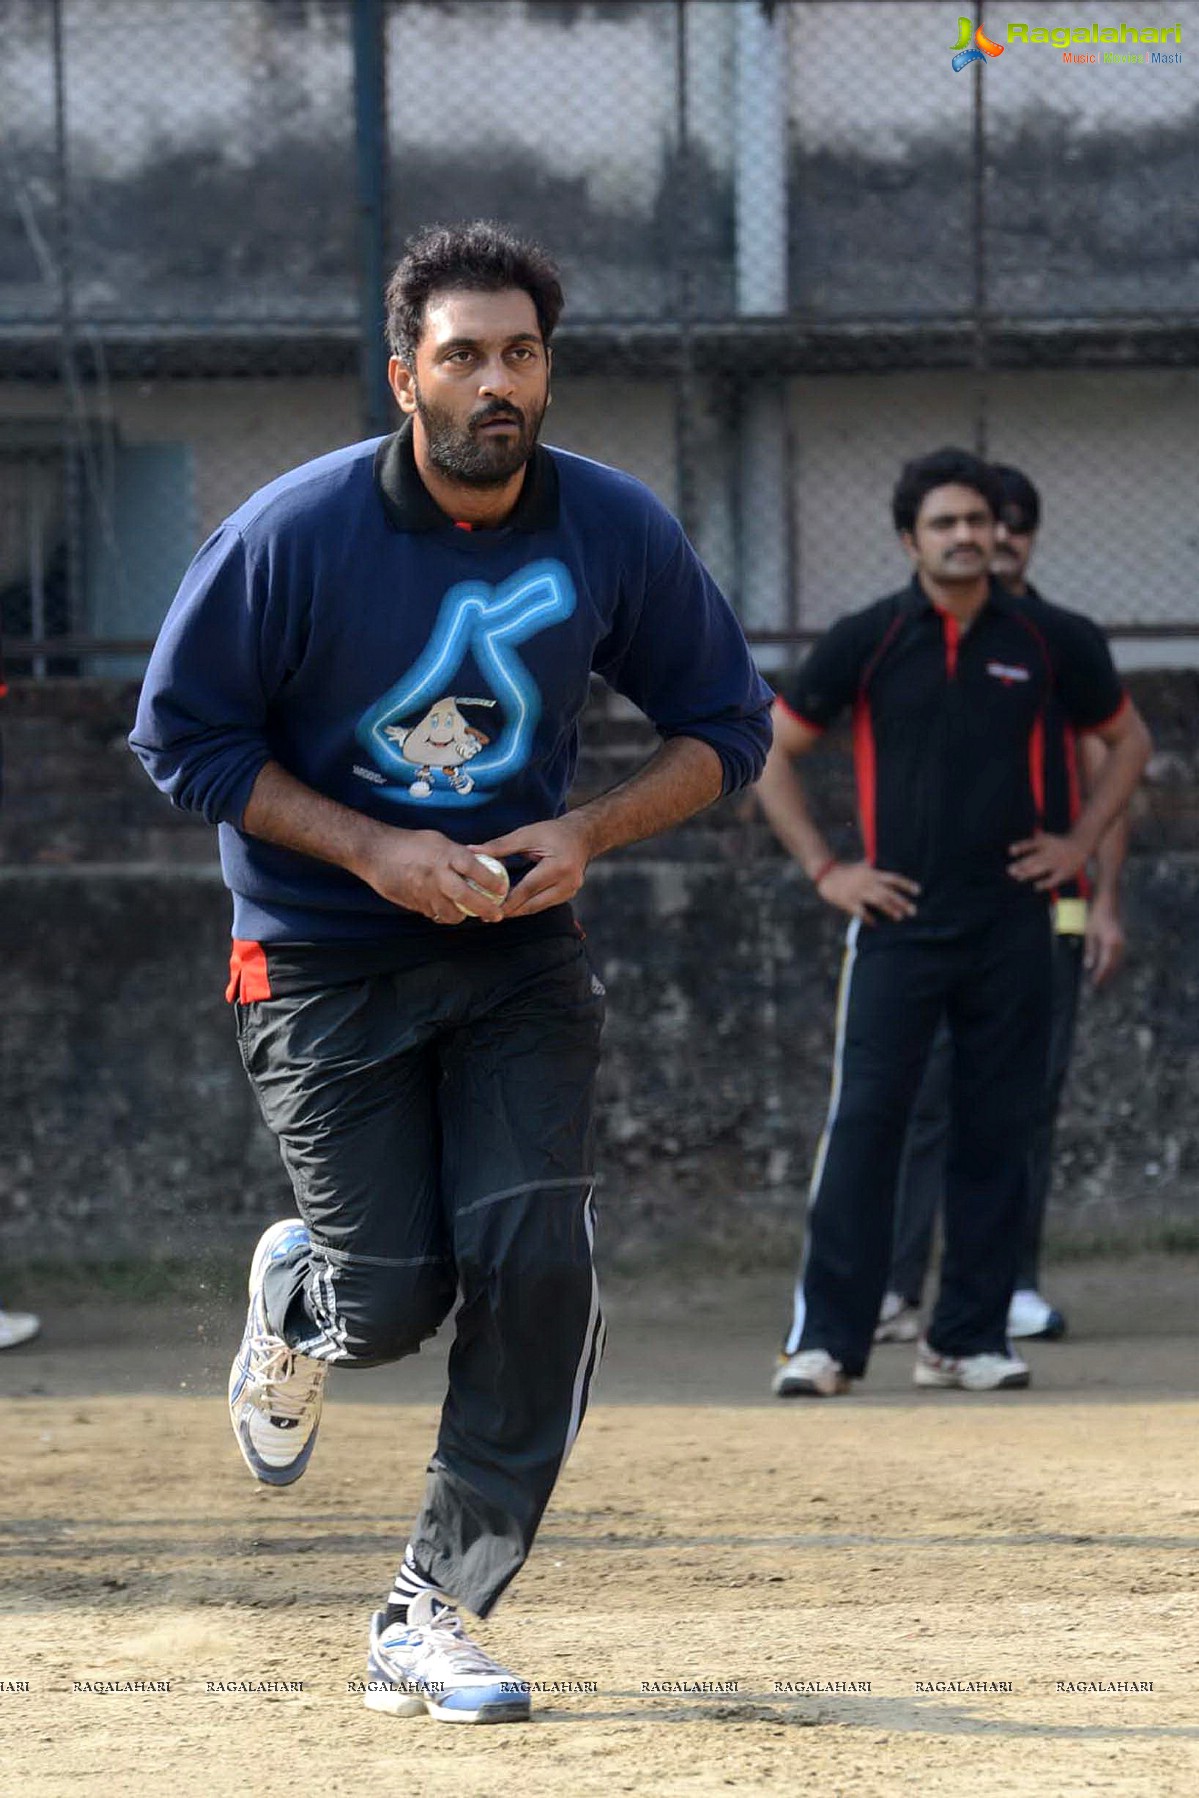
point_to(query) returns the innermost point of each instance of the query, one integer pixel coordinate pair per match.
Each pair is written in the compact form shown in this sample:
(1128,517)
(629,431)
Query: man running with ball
(371,678)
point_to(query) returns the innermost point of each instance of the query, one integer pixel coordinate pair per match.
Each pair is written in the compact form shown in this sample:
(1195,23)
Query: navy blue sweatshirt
(429,675)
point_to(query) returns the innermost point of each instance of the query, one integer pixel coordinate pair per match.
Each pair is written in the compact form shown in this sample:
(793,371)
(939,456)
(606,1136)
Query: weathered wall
(126,1124)
(248,110)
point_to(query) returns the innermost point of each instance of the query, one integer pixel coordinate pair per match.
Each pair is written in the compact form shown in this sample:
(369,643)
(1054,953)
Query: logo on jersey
(1008,672)
(436,742)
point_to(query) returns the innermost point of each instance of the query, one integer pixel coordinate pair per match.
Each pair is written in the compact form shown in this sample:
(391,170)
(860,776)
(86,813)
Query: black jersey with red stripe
(959,736)
(1063,784)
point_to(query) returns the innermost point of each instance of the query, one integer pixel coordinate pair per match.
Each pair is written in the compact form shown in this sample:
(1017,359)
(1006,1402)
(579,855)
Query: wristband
(827,868)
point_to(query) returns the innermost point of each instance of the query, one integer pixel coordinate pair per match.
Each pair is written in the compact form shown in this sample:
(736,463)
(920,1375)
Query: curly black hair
(477,255)
(943,468)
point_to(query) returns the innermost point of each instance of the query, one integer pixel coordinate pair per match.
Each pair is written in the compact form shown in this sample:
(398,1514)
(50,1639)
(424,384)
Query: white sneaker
(897,1320)
(973,1373)
(810,1373)
(430,1664)
(17,1326)
(274,1393)
(1031,1315)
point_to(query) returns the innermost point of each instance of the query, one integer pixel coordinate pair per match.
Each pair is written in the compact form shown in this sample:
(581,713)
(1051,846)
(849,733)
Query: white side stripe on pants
(834,1102)
(593,1335)
(330,1344)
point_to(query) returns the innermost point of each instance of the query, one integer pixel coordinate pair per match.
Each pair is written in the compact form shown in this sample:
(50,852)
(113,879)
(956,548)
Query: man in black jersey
(951,684)
(1088,934)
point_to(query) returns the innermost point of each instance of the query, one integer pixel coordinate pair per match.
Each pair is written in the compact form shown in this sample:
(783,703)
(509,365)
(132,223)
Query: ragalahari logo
(966,55)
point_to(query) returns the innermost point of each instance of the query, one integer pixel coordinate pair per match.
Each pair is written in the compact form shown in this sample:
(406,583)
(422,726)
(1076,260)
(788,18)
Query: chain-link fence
(798,245)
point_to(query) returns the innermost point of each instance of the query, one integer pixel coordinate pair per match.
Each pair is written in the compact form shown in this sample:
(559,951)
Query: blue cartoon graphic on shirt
(420,733)
(442,739)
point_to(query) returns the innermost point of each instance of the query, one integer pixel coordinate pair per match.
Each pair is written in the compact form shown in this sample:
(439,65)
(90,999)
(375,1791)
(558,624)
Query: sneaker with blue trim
(274,1393)
(1032,1317)
(430,1664)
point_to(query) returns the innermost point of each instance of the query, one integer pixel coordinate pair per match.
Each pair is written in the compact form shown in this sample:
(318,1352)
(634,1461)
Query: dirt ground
(953,1594)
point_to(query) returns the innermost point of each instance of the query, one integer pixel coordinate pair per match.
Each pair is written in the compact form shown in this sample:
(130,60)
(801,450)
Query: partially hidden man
(372,670)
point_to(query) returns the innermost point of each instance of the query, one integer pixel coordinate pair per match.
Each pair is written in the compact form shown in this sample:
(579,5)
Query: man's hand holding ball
(496,890)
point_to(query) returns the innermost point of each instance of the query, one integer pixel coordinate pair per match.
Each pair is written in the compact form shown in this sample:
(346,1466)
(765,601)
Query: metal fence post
(686,406)
(760,160)
(765,501)
(72,423)
(370,137)
(981,347)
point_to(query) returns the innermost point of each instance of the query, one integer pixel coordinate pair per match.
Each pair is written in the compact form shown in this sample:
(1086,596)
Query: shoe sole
(403,1704)
(515,1712)
(395,1704)
(929,1376)
(263,1472)
(795,1388)
(16,1339)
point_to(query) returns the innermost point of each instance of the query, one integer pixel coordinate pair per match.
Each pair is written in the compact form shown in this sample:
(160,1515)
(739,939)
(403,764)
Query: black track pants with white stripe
(991,979)
(437,1127)
(922,1174)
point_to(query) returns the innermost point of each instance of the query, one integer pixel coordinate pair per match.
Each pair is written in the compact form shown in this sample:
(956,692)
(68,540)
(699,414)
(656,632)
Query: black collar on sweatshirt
(410,506)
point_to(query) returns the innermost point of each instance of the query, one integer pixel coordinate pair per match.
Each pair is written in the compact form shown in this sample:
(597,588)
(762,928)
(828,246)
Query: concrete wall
(126,1124)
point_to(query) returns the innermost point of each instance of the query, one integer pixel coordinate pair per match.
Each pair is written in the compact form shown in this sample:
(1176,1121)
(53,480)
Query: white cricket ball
(493,867)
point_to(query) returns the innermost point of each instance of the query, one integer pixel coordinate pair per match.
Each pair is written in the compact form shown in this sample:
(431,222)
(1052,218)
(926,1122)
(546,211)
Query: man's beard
(459,452)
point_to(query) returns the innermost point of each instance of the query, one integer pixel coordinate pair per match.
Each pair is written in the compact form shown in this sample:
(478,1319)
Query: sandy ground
(945,1593)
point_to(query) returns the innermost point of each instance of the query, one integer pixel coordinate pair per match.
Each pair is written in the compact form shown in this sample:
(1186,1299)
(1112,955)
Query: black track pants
(922,1171)
(437,1127)
(991,981)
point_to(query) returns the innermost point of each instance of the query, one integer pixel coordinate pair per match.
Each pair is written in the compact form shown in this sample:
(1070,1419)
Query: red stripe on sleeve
(799,717)
(1111,718)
